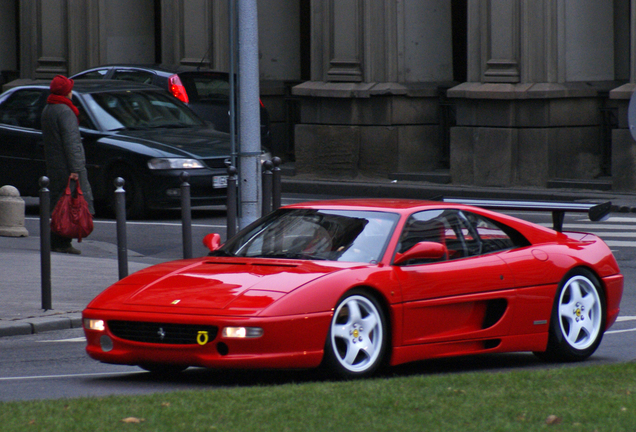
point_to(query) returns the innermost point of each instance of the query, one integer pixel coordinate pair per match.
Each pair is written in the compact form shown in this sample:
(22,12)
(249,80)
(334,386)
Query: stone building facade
(474,92)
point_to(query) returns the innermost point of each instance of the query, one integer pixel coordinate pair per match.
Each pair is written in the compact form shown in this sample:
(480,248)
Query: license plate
(219,182)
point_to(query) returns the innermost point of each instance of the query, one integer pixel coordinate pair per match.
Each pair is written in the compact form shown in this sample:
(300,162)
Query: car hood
(233,285)
(198,142)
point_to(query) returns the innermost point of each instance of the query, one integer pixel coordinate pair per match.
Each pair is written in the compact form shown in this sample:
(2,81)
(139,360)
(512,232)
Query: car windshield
(140,110)
(334,235)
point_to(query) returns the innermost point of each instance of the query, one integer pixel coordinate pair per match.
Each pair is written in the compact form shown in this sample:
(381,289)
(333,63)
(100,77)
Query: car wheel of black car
(577,323)
(358,337)
(135,204)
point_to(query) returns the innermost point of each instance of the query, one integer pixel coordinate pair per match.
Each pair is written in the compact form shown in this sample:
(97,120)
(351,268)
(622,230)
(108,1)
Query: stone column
(531,111)
(373,100)
(623,143)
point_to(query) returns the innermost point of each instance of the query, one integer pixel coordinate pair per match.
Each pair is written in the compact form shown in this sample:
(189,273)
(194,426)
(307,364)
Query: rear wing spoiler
(596,212)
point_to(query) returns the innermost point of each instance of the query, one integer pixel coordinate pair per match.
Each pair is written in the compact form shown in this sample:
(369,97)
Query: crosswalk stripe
(619,243)
(615,232)
(591,225)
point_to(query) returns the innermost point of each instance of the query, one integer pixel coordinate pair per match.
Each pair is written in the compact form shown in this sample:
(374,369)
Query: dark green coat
(64,151)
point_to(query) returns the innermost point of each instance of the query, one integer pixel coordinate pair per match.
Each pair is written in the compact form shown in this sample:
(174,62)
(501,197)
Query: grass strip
(586,398)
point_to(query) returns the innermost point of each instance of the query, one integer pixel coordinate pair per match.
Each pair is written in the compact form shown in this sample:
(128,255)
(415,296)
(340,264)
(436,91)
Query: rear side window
(24,108)
(206,86)
(138,76)
(95,74)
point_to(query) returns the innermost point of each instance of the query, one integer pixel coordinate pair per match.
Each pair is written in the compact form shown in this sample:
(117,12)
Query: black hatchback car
(134,131)
(206,91)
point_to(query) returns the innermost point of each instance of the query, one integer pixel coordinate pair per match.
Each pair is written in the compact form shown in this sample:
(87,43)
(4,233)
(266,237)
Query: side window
(24,108)
(484,236)
(426,226)
(95,74)
(464,234)
(134,75)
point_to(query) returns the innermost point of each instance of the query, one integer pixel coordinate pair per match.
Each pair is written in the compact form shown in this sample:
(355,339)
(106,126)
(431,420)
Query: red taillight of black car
(177,89)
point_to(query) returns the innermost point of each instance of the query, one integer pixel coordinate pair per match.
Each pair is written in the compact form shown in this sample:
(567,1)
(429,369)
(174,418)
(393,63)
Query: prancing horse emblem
(161,333)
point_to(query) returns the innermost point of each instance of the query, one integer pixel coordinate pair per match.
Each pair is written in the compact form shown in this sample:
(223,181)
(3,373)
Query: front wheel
(578,318)
(358,337)
(135,204)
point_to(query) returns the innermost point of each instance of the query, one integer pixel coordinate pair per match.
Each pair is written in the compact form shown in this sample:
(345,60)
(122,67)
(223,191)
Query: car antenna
(204,55)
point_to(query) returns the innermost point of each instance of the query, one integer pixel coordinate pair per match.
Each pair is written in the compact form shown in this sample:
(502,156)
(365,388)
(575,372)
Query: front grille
(162,333)
(215,162)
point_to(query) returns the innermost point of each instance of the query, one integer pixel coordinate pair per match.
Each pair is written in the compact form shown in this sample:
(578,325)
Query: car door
(21,145)
(462,296)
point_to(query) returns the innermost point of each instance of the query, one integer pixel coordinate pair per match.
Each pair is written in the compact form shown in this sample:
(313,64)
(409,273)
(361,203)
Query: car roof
(161,69)
(378,204)
(98,85)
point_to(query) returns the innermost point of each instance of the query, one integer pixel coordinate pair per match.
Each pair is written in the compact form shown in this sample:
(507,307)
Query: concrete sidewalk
(76,280)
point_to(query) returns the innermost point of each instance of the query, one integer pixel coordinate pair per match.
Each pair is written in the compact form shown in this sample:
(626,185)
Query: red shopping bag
(71,217)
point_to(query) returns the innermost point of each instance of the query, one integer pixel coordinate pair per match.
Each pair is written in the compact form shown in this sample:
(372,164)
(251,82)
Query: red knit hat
(60,85)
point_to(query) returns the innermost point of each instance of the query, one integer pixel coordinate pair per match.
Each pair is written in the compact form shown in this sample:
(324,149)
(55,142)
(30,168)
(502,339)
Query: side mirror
(212,241)
(422,250)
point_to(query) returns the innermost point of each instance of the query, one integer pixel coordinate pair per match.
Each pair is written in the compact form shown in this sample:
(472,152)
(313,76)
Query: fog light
(106,343)
(94,324)
(242,332)
(173,192)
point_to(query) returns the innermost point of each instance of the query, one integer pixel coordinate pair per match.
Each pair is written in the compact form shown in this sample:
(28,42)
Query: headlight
(94,324)
(174,163)
(242,332)
(265,156)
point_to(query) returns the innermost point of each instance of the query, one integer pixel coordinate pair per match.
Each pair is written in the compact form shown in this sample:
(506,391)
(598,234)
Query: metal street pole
(249,113)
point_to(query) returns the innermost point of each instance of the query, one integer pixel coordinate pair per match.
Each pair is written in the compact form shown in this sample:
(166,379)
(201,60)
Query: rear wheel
(578,318)
(358,336)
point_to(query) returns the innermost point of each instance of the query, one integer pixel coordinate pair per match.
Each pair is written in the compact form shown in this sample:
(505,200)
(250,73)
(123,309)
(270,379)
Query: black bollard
(276,183)
(186,215)
(120,211)
(267,187)
(45,242)
(231,202)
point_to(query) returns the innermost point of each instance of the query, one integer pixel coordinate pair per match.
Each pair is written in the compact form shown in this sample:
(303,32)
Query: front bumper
(287,342)
(164,189)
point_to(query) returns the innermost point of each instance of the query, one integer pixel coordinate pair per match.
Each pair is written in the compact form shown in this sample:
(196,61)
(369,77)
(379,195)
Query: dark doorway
(157,10)
(459,16)
(305,40)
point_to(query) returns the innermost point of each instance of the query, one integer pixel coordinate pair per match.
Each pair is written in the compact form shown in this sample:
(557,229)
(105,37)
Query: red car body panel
(497,302)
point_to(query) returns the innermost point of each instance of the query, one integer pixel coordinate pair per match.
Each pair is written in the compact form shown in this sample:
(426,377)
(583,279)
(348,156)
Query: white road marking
(587,226)
(618,243)
(68,376)
(626,318)
(77,339)
(620,331)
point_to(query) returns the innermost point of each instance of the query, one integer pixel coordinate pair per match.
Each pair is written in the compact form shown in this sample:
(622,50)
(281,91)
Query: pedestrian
(64,152)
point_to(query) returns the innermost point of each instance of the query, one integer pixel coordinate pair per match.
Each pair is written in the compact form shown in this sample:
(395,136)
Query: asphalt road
(54,364)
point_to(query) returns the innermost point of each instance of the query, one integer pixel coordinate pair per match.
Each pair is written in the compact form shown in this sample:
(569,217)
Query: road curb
(436,192)
(40,324)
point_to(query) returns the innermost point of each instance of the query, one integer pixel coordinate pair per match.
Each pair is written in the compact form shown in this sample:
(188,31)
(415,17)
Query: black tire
(358,337)
(135,204)
(578,318)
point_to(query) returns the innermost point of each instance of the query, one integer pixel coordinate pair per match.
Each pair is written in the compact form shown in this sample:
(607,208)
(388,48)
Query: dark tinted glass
(24,108)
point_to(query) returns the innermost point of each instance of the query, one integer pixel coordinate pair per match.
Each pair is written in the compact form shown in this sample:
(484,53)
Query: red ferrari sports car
(354,285)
